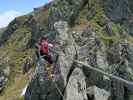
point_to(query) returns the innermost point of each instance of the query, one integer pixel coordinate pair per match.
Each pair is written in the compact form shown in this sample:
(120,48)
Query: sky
(9,9)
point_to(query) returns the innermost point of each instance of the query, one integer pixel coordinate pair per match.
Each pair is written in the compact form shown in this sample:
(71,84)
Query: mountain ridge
(101,35)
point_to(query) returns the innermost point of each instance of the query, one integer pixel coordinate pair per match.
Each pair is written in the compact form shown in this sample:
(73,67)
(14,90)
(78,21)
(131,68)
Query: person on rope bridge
(43,46)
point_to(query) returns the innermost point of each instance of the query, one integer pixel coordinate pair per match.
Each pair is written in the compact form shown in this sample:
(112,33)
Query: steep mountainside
(2,30)
(96,32)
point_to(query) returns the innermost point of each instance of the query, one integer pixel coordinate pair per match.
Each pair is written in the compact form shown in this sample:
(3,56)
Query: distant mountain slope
(2,30)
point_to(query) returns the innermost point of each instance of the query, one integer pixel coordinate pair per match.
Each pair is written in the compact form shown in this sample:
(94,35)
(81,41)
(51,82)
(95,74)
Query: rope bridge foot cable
(56,86)
(104,73)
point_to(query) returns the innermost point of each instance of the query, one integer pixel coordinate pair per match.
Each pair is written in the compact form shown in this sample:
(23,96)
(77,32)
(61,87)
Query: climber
(43,48)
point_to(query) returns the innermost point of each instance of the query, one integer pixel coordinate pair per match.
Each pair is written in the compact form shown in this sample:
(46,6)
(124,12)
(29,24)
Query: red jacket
(44,46)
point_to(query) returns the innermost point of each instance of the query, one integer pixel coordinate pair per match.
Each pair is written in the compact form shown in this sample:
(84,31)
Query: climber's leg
(49,66)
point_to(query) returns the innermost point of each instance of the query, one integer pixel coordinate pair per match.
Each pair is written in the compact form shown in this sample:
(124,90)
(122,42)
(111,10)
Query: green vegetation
(15,51)
(100,17)
(41,16)
(98,25)
(2,30)
(97,22)
(116,36)
(18,22)
(20,98)
(130,39)
(13,91)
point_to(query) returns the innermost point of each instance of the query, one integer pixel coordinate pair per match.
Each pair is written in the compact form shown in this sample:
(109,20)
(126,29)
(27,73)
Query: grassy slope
(13,92)
(14,50)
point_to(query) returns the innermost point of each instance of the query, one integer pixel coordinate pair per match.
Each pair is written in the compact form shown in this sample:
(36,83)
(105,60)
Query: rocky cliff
(96,32)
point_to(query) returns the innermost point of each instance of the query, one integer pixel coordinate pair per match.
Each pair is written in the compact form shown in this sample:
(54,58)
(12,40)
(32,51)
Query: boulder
(76,87)
(97,93)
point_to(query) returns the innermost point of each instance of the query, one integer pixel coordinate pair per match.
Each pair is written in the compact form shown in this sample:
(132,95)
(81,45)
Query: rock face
(44,89)
(74,81)
(62,73)
(120,11)
(117,10)
(97,94)
(95,32)
(76,87)
(3,80)
(67,10)
(4,73)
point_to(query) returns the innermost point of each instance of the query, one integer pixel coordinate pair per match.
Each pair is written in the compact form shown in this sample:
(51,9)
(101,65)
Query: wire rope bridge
(105,73)
(127,83)
(100,71)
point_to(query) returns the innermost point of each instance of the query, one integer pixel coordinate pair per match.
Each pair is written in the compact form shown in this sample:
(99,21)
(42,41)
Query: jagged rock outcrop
(96,32)
(120,11)
(117,10)
(76,87)
(66,10)
(67,50)
(44,89)
(76,81)
(95,93)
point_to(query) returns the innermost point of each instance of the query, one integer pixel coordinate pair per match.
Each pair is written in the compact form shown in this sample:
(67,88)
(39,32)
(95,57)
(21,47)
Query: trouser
(48,66)
(47,57)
